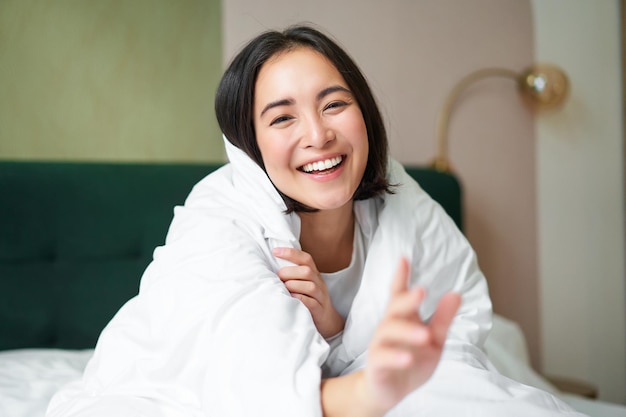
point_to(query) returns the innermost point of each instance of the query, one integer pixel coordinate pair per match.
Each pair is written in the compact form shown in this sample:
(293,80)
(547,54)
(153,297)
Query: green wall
(130,80)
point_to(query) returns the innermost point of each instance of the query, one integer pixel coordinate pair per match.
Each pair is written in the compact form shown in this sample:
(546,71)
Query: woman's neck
(328,237)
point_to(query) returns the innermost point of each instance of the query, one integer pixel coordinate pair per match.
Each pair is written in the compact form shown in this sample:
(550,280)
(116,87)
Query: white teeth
(322,165)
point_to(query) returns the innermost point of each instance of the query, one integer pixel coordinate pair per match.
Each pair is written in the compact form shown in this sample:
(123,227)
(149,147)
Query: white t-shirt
(343,285)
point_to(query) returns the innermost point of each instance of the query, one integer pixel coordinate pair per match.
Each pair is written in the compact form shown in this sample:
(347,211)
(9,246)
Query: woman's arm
(402,355)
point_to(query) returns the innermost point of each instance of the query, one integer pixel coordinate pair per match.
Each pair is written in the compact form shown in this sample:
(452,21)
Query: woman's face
(309,129)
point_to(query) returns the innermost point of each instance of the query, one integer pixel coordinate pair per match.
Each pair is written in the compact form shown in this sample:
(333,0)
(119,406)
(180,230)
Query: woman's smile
(322,166)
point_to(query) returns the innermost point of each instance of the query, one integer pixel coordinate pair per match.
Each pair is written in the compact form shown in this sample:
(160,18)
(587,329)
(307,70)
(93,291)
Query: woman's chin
(330,205)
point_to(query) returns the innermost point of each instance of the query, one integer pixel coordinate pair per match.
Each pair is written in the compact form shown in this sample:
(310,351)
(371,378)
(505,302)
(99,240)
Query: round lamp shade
(544,87)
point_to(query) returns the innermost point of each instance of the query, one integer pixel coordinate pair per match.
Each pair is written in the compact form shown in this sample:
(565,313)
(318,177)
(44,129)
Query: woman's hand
(404,351)
(305,283)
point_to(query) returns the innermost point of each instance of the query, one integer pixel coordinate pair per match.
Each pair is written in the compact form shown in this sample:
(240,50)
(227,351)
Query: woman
(275,293)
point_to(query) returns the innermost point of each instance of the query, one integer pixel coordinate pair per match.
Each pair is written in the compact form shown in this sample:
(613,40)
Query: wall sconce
(542,87)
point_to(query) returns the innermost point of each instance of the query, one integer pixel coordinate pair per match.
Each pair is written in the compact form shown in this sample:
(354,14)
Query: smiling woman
(346,290)
(237,94)
(317,122)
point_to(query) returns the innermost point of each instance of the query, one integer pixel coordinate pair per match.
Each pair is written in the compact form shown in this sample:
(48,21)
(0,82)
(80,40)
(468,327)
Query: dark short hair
(234,102)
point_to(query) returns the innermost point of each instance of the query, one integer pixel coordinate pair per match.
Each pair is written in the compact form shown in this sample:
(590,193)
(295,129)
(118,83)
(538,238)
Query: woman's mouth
(323,166)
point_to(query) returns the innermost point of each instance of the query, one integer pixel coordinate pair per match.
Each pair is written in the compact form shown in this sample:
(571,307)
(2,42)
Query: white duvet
(29,377)
(213,331)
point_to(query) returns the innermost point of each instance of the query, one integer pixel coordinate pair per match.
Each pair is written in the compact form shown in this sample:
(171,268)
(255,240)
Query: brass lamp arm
(441,161)
(542,87)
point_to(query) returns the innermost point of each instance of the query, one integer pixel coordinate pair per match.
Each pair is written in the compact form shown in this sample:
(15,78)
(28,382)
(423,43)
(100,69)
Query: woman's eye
(280,119)
(335,105)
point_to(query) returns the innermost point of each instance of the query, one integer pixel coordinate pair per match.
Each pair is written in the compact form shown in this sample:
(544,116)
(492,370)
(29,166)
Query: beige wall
(109,80)
(413,53)
(581,213)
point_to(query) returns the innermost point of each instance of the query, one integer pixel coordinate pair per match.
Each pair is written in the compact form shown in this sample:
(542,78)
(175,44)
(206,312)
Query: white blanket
(214,332)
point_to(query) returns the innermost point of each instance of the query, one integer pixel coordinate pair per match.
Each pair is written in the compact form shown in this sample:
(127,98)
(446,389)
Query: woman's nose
(316,133)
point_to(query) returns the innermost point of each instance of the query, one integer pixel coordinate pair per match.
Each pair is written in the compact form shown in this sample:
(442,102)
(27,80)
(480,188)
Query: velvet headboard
(75,239)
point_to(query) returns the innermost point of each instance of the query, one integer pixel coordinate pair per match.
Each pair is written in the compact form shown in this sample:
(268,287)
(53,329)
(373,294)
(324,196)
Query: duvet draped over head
(214,332)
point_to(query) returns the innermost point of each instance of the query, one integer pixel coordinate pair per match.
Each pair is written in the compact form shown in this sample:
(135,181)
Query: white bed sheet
(507,350)
(29,377)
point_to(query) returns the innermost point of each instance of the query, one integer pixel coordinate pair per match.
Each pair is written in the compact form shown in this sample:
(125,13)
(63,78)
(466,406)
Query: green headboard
(75,239)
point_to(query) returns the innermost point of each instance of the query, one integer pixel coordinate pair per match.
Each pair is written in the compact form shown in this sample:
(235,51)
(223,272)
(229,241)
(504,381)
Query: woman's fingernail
(277,251)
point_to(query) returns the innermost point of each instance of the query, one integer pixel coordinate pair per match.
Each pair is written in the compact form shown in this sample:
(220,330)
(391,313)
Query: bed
(74,241)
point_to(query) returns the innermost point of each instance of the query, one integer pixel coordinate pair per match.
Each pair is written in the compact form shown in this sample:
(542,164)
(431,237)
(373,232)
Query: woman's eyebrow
(282,102)
(330,90)
(318,97)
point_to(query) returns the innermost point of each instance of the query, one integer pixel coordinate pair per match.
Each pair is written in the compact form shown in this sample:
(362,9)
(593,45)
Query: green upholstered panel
(75,239)
(443,187)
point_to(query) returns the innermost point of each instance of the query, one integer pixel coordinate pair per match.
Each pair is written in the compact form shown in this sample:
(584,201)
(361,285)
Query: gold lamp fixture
(542,87)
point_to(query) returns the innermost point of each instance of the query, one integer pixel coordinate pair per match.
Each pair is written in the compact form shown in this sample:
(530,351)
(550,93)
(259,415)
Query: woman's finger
(406,304)
(298,272)
(310,303)
(403,333)
(295,256)
(443,317)
(304,287)
(401,279)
